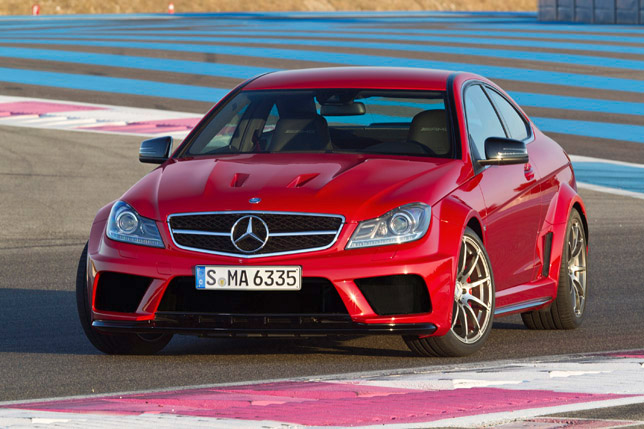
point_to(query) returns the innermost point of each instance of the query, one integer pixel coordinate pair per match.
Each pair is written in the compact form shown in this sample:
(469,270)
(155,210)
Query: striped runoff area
(582,84)
(508,394)
(615,177)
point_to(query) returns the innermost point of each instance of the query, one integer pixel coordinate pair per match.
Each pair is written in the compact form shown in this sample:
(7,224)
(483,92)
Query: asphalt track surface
(52,184)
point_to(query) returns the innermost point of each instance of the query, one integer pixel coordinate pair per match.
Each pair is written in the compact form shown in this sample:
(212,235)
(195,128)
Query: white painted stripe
(406,377)
(579,158)
(102,115)
(495,419)
(612,191)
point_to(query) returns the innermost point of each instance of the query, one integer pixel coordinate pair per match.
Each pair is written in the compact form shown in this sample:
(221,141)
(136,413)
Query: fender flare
(557,221)
(453,216)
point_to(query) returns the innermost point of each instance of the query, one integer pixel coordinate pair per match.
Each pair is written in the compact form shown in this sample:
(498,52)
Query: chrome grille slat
(288,233)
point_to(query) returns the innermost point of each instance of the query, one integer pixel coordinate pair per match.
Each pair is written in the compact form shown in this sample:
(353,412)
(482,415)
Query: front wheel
(472,309)
(132,344)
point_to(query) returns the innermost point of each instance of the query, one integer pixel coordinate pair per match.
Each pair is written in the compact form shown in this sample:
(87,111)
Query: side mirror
(504,151)
(156,150)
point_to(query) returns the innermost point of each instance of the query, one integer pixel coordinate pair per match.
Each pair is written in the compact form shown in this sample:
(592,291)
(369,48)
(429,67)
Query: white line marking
(495,419)
(612,191)
(579,158)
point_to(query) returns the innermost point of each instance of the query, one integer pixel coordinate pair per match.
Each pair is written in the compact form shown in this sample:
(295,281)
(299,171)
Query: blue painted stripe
(112,84)
(577,103)
(279,22)
(494,72)
(144,63)
(187,92)
(632,133)
(244,72)
(548,57)
(328,29)
(558,27)
(541,33)
(610,175)
(492,41)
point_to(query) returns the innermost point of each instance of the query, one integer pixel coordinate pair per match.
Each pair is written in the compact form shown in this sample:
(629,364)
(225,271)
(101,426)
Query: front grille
(281,232)
(317,296)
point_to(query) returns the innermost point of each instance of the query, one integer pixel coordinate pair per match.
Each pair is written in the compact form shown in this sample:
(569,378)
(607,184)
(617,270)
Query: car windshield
(410,123)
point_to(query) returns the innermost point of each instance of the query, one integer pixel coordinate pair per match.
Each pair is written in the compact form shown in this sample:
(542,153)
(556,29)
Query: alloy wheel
(577,267)
(473,293)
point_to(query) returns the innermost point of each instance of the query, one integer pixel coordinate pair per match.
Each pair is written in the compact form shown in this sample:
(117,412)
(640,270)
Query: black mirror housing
(156,150)
(504,151)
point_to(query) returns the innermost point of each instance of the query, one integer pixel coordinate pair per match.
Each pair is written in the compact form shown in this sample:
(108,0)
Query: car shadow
(46,321)
(40,321)
(509,325)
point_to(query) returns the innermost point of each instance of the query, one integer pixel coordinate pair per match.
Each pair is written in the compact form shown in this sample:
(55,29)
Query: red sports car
(356,201)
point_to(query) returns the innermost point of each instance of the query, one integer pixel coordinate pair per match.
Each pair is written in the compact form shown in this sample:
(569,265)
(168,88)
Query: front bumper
(338,266)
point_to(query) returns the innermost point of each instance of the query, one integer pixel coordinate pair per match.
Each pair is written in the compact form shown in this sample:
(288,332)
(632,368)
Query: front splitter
(231,325)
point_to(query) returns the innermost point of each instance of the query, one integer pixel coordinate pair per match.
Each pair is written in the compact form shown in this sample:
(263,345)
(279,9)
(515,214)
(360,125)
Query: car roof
(354,77)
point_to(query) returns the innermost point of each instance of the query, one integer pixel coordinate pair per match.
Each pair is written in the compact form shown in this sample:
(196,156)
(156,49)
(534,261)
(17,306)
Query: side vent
(547,252)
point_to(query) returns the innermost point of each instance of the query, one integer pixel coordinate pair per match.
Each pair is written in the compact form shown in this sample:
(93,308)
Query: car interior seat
(307,133)
(429,128)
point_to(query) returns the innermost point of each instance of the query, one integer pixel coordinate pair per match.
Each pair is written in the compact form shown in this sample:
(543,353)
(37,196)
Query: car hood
(356,186)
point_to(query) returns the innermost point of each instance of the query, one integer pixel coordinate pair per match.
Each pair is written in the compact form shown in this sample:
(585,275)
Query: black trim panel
(231,325)
(453,116)
(547,251)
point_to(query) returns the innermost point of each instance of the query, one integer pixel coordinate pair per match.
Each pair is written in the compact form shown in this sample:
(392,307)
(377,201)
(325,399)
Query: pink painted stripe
(321,404)
(150,127)
(39,108)
(635,354)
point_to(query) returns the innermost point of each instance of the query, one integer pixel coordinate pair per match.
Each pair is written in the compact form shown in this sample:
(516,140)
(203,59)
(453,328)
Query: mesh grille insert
(286,232)
(398,294)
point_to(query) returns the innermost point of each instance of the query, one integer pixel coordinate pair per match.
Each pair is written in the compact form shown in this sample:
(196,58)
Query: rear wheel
(111,343)
(567,310)
(472,309)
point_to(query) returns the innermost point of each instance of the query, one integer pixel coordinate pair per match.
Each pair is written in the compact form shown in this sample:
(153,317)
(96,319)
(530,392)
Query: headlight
(401,225)
(126,225)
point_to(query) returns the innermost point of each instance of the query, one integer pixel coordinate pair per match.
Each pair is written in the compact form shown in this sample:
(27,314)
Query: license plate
(248,278)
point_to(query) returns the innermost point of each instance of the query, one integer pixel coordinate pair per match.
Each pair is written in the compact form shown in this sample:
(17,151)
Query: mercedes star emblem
(249,234)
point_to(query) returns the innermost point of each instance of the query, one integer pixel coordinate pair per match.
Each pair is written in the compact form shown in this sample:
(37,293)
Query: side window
(482,120)
(517,127)
(232,116)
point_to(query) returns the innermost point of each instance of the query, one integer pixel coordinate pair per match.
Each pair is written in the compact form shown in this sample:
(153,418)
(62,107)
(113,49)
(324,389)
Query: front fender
(452,215)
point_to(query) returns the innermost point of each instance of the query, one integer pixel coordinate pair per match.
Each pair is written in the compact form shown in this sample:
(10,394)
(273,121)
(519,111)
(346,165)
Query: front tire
(568,308)
(473,306)
(111,343)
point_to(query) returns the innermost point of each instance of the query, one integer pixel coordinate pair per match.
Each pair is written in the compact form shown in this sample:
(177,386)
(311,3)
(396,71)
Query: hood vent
(238,180)
(302,180)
